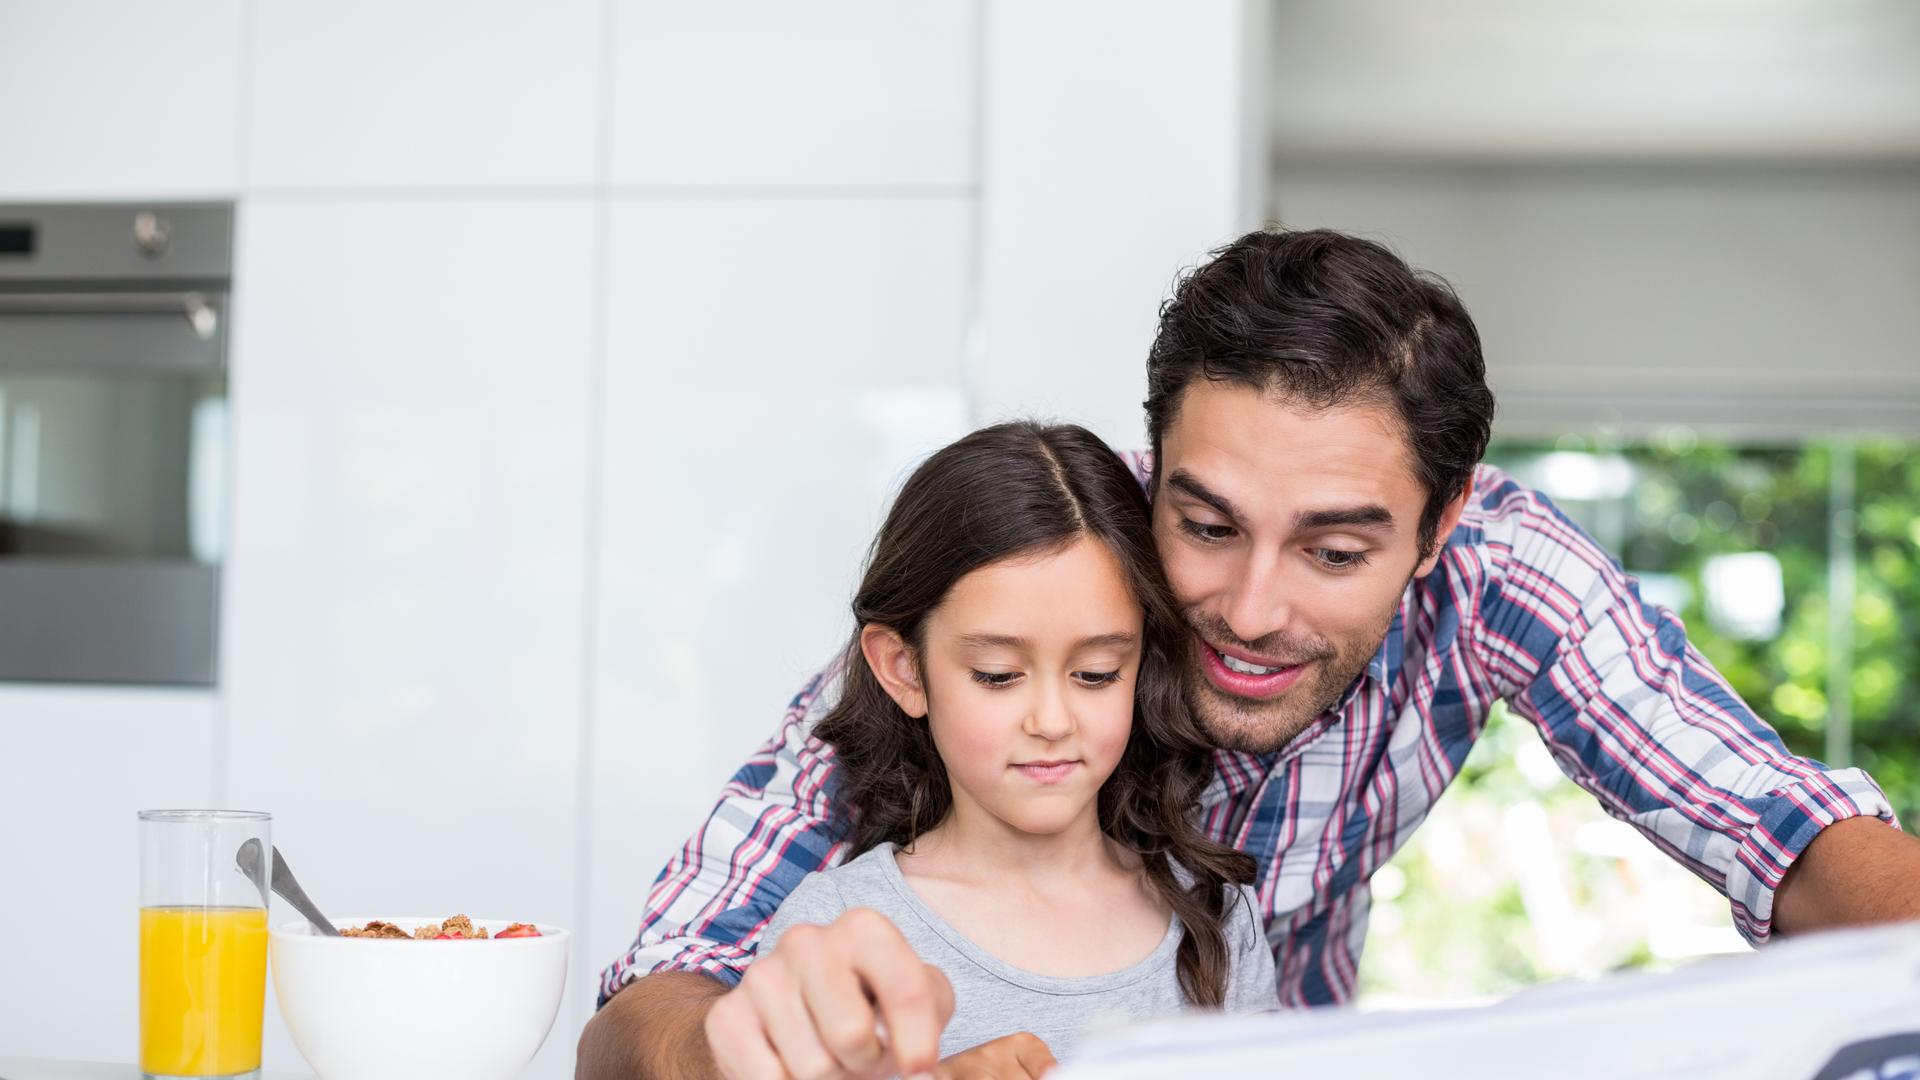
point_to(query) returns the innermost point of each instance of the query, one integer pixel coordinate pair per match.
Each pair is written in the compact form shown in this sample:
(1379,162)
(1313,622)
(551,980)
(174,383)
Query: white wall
(1596,77)
(1659,211)
(577,348)
(1749,300)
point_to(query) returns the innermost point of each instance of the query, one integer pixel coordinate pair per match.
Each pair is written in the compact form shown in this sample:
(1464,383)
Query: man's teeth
(1244,668)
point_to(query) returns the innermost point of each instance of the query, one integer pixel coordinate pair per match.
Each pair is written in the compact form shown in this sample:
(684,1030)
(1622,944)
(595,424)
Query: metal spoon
(248,859)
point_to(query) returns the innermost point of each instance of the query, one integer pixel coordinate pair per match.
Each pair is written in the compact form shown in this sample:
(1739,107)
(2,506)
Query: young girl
(1017,776)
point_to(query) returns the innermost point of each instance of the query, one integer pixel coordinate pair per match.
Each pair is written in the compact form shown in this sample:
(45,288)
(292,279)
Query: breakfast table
(42,1069)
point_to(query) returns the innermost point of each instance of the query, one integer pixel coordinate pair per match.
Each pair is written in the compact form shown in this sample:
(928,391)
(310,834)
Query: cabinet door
(119,98)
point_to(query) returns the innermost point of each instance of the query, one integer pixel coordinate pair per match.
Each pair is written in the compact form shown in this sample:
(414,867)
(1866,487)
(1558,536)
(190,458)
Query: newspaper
(1843,1005)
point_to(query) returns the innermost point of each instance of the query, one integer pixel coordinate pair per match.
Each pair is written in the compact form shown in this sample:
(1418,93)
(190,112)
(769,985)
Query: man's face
(1289,535)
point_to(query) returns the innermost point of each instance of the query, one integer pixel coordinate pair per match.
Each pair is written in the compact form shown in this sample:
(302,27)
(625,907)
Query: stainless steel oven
(113,440)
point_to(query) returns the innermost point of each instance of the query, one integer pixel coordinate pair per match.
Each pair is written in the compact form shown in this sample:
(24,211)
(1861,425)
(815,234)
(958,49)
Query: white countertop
(40,1069)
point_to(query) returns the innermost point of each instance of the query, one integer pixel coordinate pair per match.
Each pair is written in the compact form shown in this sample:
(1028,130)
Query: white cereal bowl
(375,1009)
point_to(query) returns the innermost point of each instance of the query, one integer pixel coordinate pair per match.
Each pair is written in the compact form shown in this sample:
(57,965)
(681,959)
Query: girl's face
(1029,668)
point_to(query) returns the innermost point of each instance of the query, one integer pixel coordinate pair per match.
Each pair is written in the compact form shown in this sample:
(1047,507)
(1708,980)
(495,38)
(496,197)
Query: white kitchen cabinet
(1112,160)
(103,99)
(423,93)
(76,765)
(773,365)
(405,607)
(759,93)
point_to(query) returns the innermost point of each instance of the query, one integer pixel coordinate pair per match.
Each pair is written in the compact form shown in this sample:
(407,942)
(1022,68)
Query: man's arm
(653,1029)
(1855,872)
(1639,718)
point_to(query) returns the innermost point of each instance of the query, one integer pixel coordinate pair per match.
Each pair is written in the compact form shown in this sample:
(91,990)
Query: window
(1518,875)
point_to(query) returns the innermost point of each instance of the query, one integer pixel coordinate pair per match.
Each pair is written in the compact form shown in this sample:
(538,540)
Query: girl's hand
(811,1008)
(1020,1056)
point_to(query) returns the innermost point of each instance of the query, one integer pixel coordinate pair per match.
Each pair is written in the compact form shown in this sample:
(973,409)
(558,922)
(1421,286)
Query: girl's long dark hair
(1006,491)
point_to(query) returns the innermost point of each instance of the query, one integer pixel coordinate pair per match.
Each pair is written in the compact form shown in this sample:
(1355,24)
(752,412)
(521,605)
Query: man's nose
(1257,604)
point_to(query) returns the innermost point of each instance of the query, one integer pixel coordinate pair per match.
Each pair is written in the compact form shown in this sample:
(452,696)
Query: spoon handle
(292,893)
(248,859)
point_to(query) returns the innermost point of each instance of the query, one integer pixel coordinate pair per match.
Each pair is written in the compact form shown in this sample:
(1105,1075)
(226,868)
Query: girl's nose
(1050,718)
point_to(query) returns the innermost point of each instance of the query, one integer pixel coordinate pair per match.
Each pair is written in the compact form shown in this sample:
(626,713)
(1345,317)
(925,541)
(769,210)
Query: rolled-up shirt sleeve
(1638,717)
(769,830)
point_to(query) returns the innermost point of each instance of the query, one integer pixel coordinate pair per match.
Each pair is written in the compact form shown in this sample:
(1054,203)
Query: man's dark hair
(1327,319)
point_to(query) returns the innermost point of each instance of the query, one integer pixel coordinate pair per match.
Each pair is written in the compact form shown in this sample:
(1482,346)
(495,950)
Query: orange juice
(203,983)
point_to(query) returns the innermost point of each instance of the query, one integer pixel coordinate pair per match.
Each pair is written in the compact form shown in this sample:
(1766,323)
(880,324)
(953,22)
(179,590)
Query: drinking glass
(203,943)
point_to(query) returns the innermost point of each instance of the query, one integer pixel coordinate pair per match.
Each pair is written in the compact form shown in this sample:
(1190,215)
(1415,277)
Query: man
(1361,592)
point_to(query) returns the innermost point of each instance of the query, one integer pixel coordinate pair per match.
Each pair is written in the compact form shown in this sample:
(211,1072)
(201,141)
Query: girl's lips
(1046,772)
(1242,685)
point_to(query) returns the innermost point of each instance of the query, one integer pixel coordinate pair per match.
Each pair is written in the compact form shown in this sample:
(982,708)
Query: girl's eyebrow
(1011,641)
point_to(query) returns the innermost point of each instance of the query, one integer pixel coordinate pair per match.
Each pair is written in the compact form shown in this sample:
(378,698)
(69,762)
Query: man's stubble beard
(1264,726)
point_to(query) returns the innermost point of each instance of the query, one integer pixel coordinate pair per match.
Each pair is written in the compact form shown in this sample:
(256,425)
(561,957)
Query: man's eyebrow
(1371,516)
(1191,485)
(1364,517)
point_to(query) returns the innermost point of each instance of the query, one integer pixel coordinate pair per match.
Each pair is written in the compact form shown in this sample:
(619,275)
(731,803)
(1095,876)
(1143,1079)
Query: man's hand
(1021,1056)
(1857,871)
(651,1030)
(807,1010)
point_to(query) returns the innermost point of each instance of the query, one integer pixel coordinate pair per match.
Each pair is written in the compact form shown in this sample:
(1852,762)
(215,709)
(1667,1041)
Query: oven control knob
(150,233)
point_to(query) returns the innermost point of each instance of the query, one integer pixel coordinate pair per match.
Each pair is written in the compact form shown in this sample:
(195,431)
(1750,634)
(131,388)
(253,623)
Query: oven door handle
(200,309)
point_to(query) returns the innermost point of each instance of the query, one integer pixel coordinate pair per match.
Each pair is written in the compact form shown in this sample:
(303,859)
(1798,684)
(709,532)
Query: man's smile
(1243,674)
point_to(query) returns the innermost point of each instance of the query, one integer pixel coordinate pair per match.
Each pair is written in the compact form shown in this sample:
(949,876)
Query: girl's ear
(892,663)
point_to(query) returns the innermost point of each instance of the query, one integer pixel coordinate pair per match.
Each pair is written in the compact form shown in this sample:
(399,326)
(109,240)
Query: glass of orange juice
(203,943)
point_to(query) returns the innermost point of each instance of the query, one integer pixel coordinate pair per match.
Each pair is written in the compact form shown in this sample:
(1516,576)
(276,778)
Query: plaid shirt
(1522,606)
